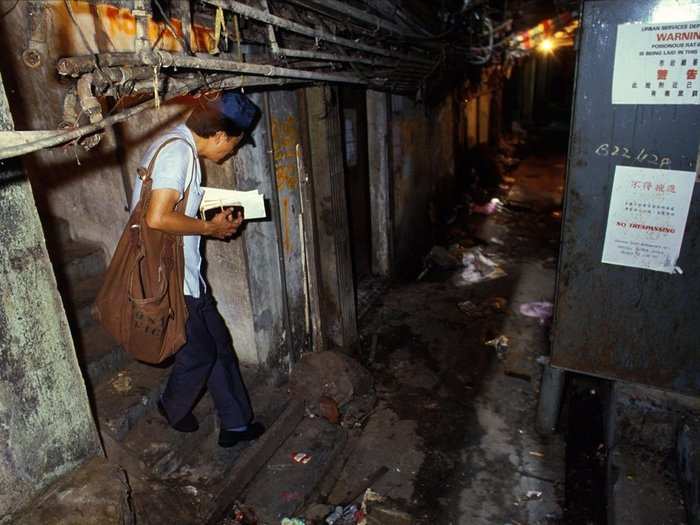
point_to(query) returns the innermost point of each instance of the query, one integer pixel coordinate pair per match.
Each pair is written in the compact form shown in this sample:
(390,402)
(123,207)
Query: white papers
(251,201)
(647,217)
(657,64)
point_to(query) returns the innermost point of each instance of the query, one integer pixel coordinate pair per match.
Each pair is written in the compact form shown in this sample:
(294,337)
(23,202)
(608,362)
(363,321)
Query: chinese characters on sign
(657,64)
(646,221)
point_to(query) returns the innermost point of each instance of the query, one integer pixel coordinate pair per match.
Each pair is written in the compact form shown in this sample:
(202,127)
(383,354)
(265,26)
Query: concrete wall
(46,428)
(423,169)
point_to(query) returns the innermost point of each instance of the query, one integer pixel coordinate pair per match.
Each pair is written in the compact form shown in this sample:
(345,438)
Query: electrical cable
(166,19)
(3,15)
(87,45)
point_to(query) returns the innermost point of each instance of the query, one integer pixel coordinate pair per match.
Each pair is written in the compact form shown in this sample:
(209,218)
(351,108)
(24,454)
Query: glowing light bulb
(546,46)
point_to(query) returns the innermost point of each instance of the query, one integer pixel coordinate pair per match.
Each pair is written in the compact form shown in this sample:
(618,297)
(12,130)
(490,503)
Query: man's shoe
(186,424)
(229,438)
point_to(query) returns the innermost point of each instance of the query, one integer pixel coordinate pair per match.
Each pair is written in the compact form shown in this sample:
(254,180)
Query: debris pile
(500,344)
(477,268)
(241,515)
(493,305)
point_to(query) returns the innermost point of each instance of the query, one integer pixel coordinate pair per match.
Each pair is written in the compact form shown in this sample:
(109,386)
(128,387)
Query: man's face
(222,146)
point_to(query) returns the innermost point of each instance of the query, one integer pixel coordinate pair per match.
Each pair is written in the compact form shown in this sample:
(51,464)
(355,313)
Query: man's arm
(161,216)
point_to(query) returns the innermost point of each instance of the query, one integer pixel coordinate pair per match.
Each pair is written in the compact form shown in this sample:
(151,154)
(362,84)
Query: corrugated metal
(612,321)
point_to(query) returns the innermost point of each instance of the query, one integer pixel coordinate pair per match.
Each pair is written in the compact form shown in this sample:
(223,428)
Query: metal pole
(216,64)
(317,34)
(61,137)
(74,66)
(318,55)
(549,404)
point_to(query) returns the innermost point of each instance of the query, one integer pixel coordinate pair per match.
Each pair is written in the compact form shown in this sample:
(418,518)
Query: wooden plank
(254,458)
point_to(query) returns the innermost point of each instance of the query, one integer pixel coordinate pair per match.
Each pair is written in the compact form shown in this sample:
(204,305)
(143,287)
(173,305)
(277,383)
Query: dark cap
(239,109)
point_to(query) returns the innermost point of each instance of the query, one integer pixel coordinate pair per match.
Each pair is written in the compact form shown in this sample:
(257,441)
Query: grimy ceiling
(175,47)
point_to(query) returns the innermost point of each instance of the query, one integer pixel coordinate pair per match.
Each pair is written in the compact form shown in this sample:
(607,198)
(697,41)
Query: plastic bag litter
(477,268)
(293,521)
(489,208)
(533,495)
(344,515)
(541,310)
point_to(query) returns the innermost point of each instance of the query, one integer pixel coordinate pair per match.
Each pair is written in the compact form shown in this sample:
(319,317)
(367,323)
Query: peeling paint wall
(261,245)
(227,271)
(286,134)
(46,428)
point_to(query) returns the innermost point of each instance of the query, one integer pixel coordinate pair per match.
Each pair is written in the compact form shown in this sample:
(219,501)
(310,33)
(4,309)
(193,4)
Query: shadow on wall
(423,170)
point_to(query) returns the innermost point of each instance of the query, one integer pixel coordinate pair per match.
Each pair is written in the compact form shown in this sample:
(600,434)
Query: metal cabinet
(613,321)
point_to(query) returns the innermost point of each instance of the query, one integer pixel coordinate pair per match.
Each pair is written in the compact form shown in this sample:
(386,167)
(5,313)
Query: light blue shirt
(176,165)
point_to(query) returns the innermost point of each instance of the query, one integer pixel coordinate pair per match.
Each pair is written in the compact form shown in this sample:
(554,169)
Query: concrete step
(77,261)
(644,490)
(123,398)
(56,231)
(79,299)
(168,454)
(688,460)
(284,486)
(647,456)
(186,477)
(99,354)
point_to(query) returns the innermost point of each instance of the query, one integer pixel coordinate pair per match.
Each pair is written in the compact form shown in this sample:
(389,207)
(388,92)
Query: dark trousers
(207,358)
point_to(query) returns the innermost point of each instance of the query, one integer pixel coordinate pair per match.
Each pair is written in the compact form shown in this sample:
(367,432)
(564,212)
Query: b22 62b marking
(642,157)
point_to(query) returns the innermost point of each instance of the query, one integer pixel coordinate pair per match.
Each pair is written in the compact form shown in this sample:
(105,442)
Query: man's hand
(223,224)
(161,216)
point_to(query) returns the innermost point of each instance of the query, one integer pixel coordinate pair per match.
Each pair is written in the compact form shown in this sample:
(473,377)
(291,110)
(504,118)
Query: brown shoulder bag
(142,302)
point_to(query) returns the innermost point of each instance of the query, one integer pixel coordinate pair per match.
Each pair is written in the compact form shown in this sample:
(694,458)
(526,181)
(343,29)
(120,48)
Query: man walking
(213,131)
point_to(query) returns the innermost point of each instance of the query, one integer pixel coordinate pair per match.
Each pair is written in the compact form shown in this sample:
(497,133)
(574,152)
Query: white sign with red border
(657,64)
(647,217)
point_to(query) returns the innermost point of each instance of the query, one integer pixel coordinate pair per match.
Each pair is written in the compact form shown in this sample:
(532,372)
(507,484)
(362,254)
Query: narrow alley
(455,417)
(349,262)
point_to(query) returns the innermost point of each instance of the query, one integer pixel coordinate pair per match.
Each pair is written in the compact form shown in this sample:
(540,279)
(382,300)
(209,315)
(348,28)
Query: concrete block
(78,261)
(98,353)
(688,461)
(95,494)
(644,492)
(123,398)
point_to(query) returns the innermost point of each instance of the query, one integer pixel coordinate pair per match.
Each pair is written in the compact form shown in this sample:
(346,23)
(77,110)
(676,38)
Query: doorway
(355,155)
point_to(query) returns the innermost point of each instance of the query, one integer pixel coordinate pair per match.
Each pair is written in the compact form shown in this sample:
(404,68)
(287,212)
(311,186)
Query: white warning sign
(657,64)
(647,217)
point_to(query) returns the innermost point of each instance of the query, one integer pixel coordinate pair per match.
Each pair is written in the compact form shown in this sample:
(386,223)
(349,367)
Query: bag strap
(152,163)
(147,176)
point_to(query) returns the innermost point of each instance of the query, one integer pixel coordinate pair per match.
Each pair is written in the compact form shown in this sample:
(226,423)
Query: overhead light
(546,46)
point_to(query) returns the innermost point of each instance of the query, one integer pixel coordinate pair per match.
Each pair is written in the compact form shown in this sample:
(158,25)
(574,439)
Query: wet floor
(454,422)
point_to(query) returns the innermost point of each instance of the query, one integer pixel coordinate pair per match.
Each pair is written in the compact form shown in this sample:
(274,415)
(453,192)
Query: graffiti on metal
(641,156)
